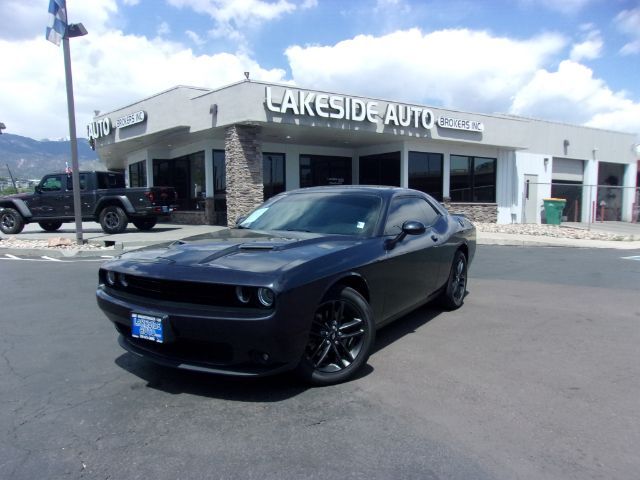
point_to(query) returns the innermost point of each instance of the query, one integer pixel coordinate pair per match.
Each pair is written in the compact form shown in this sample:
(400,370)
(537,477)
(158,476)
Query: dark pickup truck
(104,198)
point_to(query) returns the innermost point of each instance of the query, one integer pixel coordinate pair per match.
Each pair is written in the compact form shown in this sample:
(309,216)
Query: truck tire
(113,220)
(51,226)
(11,222)
(145,224)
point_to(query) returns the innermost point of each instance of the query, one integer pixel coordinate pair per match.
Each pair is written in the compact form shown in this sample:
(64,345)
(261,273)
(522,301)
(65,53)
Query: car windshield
(334,213)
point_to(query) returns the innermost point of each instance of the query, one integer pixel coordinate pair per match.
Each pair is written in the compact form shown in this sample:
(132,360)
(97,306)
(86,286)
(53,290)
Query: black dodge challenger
(302,283)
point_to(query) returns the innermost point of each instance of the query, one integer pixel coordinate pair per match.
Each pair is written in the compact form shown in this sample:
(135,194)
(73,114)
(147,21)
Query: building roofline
(498,115)
(177,87)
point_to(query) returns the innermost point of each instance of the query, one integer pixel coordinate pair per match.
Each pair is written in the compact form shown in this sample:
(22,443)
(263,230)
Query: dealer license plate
(148,327)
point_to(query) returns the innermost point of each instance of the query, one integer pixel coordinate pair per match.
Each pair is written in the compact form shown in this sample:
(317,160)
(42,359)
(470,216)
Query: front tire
(145,224)
(341,337)
(50,226)
(453,296)
(113,220)
(11,222)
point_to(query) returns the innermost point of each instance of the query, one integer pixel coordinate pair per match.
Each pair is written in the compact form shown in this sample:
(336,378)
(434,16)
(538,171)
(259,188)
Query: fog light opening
(243,295)
(265,297)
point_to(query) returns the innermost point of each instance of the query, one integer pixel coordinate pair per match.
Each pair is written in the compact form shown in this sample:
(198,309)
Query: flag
(58,21)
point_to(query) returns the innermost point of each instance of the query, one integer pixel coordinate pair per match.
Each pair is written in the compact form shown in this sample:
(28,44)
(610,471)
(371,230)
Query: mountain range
(30,159)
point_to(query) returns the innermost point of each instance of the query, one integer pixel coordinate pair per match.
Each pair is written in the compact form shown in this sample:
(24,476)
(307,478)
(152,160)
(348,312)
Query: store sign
(340,107)
(99,129)
(131,119)
(460,124)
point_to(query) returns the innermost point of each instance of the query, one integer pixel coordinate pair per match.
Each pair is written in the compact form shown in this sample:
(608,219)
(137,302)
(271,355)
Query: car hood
(243,250)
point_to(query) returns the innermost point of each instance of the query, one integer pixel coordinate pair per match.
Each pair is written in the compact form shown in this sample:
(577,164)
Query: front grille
(175,291)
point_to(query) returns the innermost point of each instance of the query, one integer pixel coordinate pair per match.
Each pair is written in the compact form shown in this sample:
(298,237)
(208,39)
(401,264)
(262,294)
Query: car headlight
(123,280)
(111,277)
(266,297)
(243,294)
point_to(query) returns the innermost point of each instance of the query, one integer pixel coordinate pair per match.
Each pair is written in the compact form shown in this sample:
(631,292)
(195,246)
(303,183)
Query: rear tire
(145,224)
(340,340)
(113,220)
(50,226)
(453,295)
(11,222)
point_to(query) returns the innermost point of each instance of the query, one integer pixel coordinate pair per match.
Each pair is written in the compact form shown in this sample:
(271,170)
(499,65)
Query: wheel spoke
(339,357)
(346,336)
(324,353)
(347,352)
(352,323)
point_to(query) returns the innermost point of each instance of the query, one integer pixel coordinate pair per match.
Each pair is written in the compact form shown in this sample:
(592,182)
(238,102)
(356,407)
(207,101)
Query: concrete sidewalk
(133,238)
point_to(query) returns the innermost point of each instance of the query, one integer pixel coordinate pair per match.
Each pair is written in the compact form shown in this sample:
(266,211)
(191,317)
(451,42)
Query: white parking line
(12,257)
(50,259)
(633,257)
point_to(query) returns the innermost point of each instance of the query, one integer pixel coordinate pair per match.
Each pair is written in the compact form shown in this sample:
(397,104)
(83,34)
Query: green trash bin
(553,208)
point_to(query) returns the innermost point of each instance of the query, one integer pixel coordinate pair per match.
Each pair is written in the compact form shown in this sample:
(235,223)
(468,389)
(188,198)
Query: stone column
(243,161)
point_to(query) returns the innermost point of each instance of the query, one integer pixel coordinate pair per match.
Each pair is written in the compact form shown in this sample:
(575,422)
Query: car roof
(381,190)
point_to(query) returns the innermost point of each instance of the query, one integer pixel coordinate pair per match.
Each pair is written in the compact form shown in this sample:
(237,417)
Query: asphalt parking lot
(536,377)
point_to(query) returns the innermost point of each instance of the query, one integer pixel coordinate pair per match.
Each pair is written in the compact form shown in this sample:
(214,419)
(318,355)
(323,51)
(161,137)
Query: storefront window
(381,169)
(138,174)
(473,179)
(317,170)
(425,173)
(273,174)
(220,186)
(186,175)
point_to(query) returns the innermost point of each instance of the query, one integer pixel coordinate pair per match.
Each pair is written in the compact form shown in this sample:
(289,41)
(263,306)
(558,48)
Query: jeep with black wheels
(104,199)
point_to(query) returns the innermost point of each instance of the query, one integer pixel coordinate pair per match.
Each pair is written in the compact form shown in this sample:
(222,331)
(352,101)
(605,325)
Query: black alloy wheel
(51,226)
(145,224)
(453,296)
(11,222)
(342,334)
(113,220)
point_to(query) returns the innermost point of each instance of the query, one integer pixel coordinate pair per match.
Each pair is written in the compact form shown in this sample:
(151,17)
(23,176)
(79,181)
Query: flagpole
(77,205)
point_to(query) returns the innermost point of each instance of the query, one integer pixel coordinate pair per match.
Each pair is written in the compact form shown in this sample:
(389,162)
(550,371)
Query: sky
(575,61)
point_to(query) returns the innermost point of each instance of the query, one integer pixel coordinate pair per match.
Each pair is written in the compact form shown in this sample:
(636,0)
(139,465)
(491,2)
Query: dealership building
(226,150)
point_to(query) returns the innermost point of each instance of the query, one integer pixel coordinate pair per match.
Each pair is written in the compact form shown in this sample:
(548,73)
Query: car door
(412,266)
(86,198)
(49,197)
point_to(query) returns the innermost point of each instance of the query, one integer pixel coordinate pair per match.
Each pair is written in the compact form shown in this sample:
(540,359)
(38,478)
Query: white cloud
(307,4)
(232,16)
(628,22)
(195,38)
(163,29)
(131,3)
(109,71)
(572,94)
(28,19)
(589,49)
(458,68)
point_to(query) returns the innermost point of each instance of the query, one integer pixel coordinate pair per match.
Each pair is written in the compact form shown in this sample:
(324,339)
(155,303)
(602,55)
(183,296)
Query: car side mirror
(240,219)
(410,227)
(38,189)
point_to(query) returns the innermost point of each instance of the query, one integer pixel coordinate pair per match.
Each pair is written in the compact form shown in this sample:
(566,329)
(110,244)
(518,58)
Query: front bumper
(232,341)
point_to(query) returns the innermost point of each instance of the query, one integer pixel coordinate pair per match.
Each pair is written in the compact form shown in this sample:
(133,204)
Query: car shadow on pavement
(169,380)
(405,326)
(261,389)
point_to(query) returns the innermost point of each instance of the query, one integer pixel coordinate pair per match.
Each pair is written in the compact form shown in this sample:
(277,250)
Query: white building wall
(629,193)
(532,164)
(507,187)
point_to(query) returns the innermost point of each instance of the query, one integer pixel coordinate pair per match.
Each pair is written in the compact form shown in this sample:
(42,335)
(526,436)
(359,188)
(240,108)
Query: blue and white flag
(57,21)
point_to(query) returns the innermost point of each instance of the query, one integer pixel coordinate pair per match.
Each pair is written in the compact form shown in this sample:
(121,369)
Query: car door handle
(434,237)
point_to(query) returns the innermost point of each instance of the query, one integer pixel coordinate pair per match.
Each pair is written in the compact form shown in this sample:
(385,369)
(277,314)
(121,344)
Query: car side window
(52,184)
(83,182)
(408,208)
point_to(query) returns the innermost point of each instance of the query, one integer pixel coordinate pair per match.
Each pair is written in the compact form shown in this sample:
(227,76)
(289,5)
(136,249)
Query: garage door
(567,169)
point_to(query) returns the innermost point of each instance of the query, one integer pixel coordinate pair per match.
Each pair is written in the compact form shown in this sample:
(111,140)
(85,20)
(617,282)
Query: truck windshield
(333,213)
